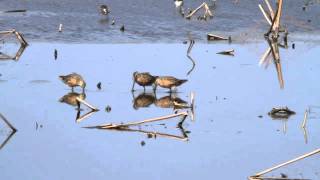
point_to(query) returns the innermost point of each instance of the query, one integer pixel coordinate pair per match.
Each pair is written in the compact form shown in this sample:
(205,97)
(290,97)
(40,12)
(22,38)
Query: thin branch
(119,126)
(287,163)
(305,119)
(8,123)
(270,8)
(265,14)
(87,104)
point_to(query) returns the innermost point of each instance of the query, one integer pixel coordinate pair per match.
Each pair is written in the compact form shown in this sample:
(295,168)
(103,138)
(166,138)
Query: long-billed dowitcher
(73,80)
(143,79)
(143,100)
(71,98)
(168,82)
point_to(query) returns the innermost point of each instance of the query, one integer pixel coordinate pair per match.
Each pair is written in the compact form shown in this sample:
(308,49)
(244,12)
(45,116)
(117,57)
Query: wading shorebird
(73,80)
(168,82)
(178,3)
(104,10)
(143,79)
(71,98)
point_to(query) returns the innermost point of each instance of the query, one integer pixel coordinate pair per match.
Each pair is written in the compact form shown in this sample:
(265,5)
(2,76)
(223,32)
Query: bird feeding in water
(143,79)
(104,10)
(178,3)
(73,80)
(168,82)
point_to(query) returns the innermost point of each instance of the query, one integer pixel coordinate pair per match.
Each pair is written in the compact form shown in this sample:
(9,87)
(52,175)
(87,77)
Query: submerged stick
(193,64)
(275,178)
(8,123)
(87,104)
(270,8)
(81,118)
(266,16)
(194,11)
(264,56)
(287,163)
(305,119)
(115,126)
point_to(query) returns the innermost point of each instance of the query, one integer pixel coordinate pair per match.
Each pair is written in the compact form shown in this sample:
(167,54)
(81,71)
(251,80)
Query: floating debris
(113,22)
(260,174)
(281,113)
(213,37)
(87,104)
(73,80)
(122,29)
(55,54)
(136,123)
(207,14)
(143,143)
(99,86)
(178,3)
(16,11)
(104,10)
(60,27)
(108,109)
(227,52)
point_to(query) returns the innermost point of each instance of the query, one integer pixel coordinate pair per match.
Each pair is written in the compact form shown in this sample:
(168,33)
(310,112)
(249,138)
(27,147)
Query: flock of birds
(143,79)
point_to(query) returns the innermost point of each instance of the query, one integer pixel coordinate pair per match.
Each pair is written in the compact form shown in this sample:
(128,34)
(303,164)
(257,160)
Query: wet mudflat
(226,140)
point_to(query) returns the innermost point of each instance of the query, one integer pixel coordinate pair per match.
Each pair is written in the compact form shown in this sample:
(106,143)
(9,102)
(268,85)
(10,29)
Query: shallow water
(151,21)
(227,139)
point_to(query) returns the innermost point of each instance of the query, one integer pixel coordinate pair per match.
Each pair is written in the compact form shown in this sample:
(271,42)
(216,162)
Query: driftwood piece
(257,175)
(85,116)
(203,5)
(213,37)
(87,104)
(281,112)
(305,119)
(270,8)
(227,52)
(19,36)
(135,123)
(8,123)
(266,16)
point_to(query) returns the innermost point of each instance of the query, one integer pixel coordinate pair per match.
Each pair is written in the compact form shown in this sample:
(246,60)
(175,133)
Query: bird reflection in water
(143,100)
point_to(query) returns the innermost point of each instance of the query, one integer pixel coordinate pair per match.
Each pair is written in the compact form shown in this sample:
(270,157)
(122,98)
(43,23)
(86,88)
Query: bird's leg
(71,89)
(132,89)
(83,91)
(144,89)
(154,87)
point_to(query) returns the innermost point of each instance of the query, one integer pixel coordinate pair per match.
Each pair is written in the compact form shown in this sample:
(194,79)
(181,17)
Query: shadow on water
(71,99)
(145,100)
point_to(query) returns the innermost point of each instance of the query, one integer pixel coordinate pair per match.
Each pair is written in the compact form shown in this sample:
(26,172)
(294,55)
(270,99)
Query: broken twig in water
(206,14)
(8,123)
(81,118)
(213,37)
(227,52)
(257,175)
(193,64)
(19,36)
(87,104)
(305,119)
(120,126)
